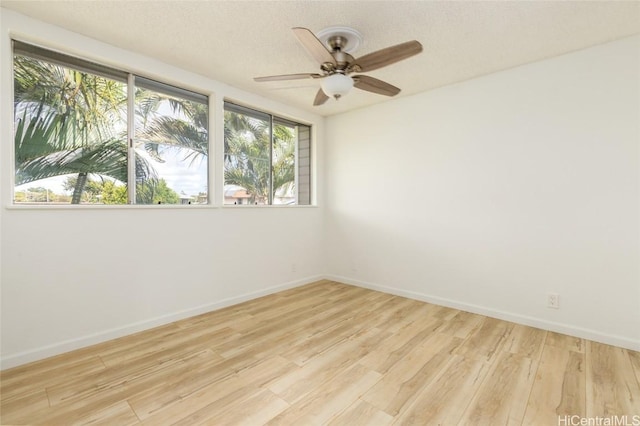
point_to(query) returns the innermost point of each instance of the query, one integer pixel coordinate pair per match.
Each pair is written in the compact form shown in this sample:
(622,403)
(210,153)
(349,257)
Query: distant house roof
(235,191)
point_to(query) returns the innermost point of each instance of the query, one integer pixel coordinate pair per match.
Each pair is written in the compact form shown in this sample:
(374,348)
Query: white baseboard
(14,360)
(570,330)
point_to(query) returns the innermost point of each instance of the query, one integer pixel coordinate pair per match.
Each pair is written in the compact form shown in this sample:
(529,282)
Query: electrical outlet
(294,267)
(553,301)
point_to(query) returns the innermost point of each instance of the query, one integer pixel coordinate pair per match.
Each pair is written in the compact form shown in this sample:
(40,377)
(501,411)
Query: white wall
(491,193)
(75,276)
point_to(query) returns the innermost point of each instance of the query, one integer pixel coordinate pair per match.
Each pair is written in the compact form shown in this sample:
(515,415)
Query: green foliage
(149,192)
(40,195)
(67,122)
(113,194)
(250,160)
(92,191)
(185,131)
(156,192)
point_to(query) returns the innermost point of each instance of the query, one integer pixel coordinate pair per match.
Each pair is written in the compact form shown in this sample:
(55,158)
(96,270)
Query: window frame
(273,118)
(130,63)
(130,78)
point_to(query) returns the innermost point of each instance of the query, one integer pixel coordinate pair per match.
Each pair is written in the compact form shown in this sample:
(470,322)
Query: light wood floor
(328,353)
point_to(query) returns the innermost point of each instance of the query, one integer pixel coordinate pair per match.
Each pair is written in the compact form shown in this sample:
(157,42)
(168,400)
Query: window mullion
(271,136)
(131,154)
(296,166)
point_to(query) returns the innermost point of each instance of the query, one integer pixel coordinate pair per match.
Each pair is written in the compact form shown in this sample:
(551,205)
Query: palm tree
(247,156)
(165,123)
(283,161)
(250,160)
(69,122)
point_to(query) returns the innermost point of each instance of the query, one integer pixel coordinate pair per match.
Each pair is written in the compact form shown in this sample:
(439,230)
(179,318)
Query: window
(171,132)
(72,121)
(266,158)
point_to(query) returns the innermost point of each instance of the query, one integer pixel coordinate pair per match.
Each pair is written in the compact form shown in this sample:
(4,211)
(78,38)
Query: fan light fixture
(337,85)
(336,64)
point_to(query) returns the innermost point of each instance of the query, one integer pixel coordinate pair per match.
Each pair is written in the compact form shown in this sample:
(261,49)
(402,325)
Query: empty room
(320,212)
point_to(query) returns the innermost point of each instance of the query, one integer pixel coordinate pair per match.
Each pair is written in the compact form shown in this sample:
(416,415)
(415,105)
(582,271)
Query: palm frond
(176,133)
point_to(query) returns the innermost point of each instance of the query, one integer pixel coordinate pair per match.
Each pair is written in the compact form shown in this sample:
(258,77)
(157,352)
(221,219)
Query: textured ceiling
(234,41)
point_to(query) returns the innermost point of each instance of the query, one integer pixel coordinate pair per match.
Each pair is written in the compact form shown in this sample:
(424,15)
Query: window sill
(112,207)
(266,206)
(149,207)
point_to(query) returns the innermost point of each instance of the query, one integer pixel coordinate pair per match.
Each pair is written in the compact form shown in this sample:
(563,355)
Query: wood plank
(487,340)
(167,390)
(214,320)
(230,395)
(634,357)
(171,346)
(418,311)
(395,318)
(16,409)
(461,325)
(612,387)
(130,378)
(559,387)
(216,395)
(327,339)
(571,343)
(399,344)
(264,407)
(525,341)
(117,414)
(402,382)
(502,396)
(298,383)
(442,312)
(322,315)
(361,413)
(444,400)
(329,399)
(73,402)
(35,377)
(79,412)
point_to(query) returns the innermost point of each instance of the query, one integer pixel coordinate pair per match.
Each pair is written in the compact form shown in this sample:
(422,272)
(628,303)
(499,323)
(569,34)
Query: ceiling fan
(337,64)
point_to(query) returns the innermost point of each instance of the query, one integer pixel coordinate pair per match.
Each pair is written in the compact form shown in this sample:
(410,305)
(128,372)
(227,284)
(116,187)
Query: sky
(177,174)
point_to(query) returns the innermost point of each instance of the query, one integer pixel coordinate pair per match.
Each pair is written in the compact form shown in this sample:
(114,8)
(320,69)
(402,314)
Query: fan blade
(374,85)
(287,77)
(321,98)
(313,45)
(387,56)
